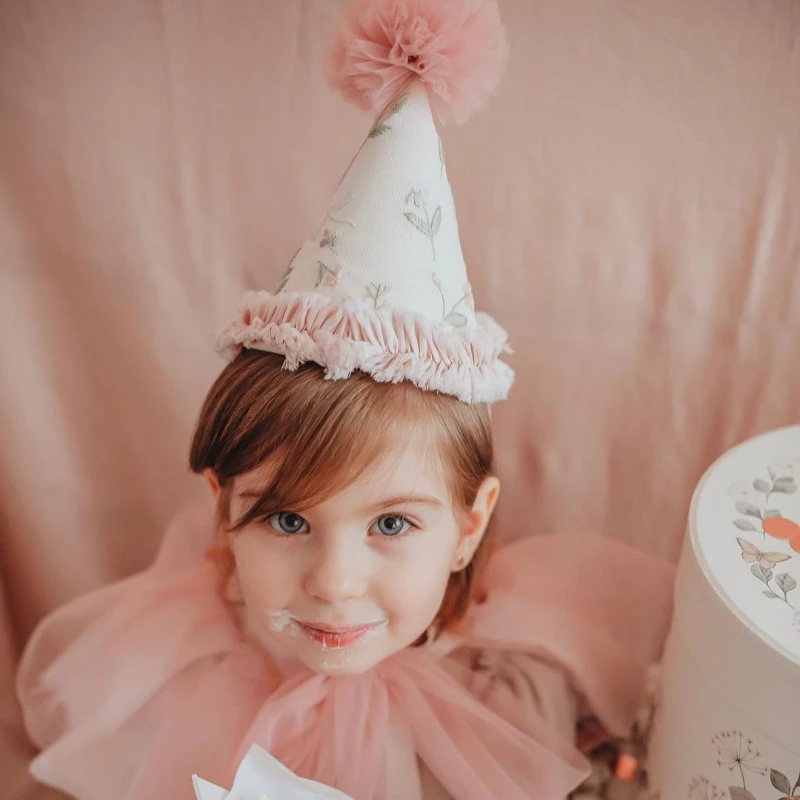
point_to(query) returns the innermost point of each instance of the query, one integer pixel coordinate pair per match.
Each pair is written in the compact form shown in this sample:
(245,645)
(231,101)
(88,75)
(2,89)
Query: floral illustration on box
(737,754)
(761,567)
(757,506)
(758,516)
(703,789)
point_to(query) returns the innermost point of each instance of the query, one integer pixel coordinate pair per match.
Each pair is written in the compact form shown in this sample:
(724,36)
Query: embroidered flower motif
(327,275)
(334,216)
(333,211)
(329,239)
(287,273)
(381,126)
(377,293)
(467,289)
(417,197)
(455,318)
(432,222)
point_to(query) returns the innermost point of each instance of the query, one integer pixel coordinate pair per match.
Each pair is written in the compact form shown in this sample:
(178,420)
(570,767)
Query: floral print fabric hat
(381,286)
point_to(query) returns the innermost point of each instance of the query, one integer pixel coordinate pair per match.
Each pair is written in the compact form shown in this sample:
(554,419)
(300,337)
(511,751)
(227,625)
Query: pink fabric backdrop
(630,211)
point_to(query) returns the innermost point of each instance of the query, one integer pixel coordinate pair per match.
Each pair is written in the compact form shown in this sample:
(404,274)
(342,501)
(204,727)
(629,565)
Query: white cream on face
(283,621)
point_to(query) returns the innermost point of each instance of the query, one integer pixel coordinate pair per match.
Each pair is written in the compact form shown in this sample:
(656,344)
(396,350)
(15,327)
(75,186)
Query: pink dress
(132,689)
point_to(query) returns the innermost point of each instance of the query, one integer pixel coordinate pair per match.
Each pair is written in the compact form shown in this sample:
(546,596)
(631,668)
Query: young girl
(340,602)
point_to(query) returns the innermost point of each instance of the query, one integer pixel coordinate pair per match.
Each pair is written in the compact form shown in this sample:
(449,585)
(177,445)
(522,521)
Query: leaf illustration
(378,129)
(436,222)
(401,101)
(382,126)
(771,512)
(456,319)
(796,785)
(786,583)
(761,573)
(376,292)
(737,793)
(744,525)
(780,782)
(329,239)
(761,485)
(745,507)
(772,596)
(785,485)
(287,272)
(418,223)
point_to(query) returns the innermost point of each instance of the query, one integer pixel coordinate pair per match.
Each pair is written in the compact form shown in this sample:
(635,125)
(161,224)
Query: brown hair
(327,433)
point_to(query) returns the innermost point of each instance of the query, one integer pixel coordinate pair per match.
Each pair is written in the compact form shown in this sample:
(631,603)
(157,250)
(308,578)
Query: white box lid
(745,532)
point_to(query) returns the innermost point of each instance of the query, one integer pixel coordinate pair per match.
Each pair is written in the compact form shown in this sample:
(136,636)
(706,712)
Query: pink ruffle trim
(390,345)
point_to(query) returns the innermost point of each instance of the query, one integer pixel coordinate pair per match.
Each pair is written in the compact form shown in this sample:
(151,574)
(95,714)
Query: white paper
(207,791)
(262,777)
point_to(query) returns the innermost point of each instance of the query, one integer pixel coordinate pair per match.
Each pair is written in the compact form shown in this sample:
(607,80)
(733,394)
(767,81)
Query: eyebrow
(407,500)
(399,500)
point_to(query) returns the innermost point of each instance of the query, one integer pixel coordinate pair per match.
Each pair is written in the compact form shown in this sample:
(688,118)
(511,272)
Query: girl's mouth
(337,637)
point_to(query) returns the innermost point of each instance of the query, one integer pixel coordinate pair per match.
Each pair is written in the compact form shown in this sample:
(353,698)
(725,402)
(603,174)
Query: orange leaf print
(782,528)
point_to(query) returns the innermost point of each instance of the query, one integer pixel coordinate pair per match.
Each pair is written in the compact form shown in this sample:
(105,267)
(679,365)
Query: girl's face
(362,575)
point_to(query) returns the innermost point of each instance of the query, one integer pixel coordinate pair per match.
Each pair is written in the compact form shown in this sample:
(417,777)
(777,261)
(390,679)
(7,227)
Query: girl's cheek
(260,575)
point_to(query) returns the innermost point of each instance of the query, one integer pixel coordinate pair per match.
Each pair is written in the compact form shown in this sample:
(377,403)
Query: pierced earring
(460,561)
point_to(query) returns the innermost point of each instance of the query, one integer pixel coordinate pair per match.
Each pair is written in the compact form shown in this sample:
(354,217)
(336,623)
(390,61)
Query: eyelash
(285,535)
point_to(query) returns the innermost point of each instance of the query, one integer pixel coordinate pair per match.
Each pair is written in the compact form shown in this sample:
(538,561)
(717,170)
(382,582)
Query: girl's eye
(391,525)
(288,522)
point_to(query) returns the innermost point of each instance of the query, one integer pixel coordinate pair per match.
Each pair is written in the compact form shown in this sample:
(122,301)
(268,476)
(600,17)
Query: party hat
(381,286)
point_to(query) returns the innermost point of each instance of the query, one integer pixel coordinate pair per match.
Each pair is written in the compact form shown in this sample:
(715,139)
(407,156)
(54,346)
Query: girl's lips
(336,637)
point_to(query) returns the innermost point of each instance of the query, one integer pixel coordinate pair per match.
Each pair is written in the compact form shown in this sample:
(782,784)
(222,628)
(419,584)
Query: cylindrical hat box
(728,722)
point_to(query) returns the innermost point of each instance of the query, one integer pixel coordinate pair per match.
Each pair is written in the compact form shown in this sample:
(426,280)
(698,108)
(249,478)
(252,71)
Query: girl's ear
(477,521)
(212,481)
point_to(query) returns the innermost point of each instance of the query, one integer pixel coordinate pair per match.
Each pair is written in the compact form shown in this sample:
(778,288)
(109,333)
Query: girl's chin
(341,663)
(346,660)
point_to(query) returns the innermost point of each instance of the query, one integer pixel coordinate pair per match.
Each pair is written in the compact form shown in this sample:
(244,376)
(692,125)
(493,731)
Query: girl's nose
(340,572)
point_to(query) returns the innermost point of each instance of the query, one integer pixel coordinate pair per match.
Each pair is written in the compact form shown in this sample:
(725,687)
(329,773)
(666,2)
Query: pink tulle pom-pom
(456,48)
